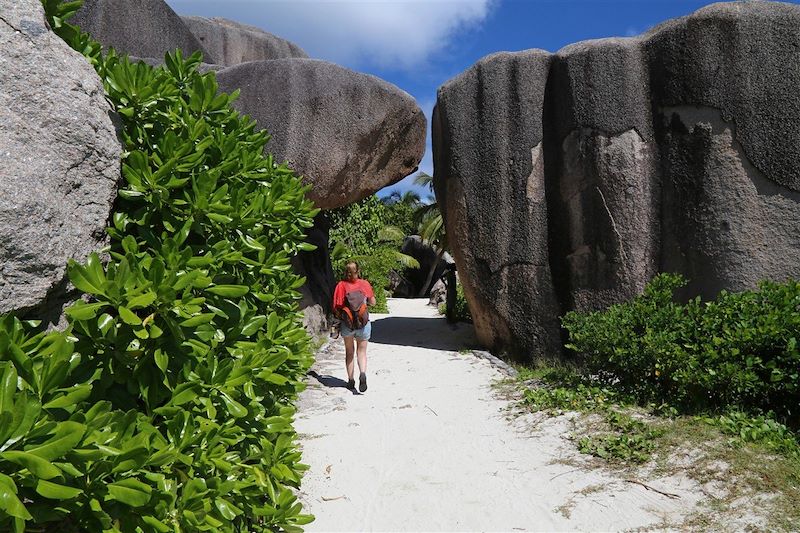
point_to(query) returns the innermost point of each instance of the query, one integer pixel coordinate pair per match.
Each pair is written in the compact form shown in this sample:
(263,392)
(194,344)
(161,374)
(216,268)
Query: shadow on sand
(433,333)
(330,381)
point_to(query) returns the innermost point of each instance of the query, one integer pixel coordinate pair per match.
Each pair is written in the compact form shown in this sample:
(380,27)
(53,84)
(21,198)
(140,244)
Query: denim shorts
(362,334)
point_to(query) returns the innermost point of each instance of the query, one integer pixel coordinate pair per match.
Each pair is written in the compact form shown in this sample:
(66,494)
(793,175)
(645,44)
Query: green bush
(357,226)
(166,404)
(360,232)
(739,350)
(460,309)
(401,215)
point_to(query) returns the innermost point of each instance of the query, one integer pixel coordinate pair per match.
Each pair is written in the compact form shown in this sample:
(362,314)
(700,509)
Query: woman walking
(350,300)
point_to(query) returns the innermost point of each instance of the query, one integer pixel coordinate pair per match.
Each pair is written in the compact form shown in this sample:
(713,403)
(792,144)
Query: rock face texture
(490,184)
(60,159)
(229,43)
(568,180)
(141,28)
(348,134)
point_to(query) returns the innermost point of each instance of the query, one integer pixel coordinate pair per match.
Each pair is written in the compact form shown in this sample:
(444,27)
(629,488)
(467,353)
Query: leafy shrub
(401,215)
(739,350)
(581,397)
(460,309)
(359,232)
(357,226)
(763,430)
(166,404)
(628,439)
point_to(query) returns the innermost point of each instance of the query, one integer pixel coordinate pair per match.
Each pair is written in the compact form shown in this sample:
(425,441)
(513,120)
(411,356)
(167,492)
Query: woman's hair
(347,268)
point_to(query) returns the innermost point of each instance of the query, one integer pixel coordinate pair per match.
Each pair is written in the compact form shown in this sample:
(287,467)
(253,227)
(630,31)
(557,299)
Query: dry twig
(648,487)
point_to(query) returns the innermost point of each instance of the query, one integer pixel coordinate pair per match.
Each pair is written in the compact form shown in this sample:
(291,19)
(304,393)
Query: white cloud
(401,34)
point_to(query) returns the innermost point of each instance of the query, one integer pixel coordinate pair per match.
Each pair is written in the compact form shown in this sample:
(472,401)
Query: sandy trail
(430,446)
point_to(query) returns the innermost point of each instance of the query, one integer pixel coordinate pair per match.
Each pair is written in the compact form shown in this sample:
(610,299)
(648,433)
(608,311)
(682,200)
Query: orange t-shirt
(344,286)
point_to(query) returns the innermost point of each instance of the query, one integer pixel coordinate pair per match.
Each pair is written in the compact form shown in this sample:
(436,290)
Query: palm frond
(423,179)
(339,252)
(406,260)
(432,231)
(424,212)
(410,198)
(391,234)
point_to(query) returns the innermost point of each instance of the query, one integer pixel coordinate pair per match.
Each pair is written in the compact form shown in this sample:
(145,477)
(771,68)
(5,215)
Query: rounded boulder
(349,134)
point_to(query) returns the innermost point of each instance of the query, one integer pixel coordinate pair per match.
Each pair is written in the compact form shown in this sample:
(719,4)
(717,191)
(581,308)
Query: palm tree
(409,198)
(431,228)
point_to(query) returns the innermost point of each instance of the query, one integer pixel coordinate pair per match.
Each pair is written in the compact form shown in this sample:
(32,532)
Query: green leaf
(105,322)
(229,291)
(67,435)
(156,524)
(253,325)
(39,467)
(55,491)
(155,332)
(142,300)
(197,320)
(81,278)
(83,311)
(227,509)
(162,360)
(216,217)
(130,492)
(71,398)
(8,387)
(9,502)
(236,409)
(94,269)
(128,316)
(130,194)
(26,411)
(185,392)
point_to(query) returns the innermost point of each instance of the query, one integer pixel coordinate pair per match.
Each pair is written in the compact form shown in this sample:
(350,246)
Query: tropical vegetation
(373,230)
(166,404)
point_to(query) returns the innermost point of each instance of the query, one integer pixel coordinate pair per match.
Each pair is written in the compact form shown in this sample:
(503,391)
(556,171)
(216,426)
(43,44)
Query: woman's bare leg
(362,355)
(349,352)
(362,364)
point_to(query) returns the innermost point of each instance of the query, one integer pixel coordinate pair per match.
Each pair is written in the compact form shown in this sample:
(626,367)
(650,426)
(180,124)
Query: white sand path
(430,447)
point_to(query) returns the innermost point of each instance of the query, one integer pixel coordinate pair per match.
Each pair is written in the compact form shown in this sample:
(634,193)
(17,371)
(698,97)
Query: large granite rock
(602,170)
(141,28)
(490,185)
(568,180)
(60,159)
(229,43)
(349,134)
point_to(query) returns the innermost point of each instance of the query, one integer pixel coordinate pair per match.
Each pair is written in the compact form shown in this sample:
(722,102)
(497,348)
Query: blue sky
(420,44)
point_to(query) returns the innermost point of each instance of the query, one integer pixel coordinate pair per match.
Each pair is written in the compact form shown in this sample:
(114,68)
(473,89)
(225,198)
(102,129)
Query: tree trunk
(429,279)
